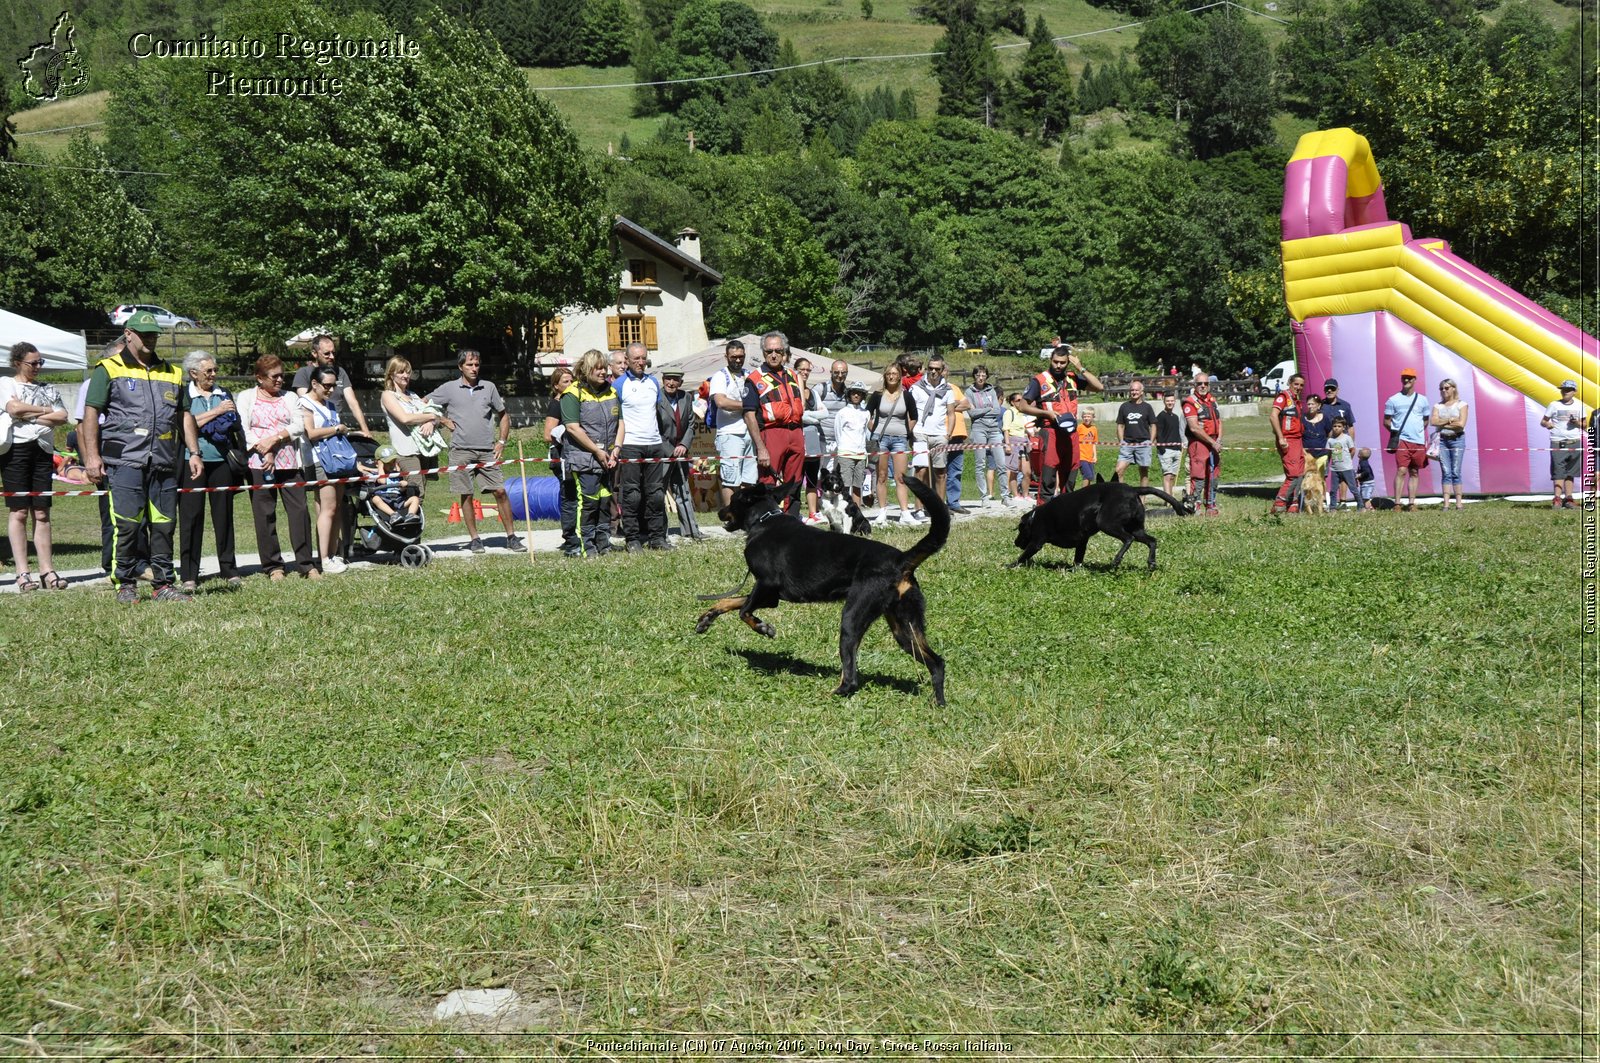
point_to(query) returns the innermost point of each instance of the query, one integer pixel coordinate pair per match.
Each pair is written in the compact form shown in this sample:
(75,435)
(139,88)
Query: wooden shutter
(613,333)
(650,332)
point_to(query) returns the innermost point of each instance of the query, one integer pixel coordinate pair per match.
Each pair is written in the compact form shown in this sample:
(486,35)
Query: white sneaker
(334,565)
(814,519)
(916,516)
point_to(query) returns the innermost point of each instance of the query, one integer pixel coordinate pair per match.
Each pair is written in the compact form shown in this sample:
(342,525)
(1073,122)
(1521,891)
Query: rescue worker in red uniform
(1052,396)
(773,406)
(1204,421)
(1287,412)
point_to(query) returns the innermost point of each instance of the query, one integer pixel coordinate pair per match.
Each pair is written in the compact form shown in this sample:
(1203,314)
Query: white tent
(61,350)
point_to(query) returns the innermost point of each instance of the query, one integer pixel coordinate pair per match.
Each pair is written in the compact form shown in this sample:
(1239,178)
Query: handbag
(5,431)
(1433,446)
(335,454)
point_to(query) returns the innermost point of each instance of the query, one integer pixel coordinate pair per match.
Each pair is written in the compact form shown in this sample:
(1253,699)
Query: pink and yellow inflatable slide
(1368,300)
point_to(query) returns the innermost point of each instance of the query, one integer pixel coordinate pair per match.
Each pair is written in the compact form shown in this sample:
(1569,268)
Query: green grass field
(1313,787)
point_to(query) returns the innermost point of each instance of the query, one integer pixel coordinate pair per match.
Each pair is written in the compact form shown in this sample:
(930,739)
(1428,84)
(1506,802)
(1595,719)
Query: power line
(58,129)
(84,169)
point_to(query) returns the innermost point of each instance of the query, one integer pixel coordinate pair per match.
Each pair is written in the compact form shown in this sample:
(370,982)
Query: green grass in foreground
(1311,776)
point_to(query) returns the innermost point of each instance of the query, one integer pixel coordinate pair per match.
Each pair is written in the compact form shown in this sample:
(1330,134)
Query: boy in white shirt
(850,436)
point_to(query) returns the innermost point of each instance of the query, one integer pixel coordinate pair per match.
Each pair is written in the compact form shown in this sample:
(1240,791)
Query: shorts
(1137,453)
(1171,461)
(893,445)
(1411,456)
(737,456)
(27,467)
(852,473)
(1016,447)
(1087,472)
(1565,458)
(461,480)
(1364,488)
(937,454)
(416,463)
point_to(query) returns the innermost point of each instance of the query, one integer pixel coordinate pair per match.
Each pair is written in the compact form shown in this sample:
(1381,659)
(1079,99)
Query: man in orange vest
(1052,396)
(773,407)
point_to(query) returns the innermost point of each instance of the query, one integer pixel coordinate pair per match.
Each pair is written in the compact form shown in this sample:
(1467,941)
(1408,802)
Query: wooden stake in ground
(527,499)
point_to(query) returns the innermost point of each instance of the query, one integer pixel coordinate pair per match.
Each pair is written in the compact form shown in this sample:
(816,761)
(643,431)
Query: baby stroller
(371,531)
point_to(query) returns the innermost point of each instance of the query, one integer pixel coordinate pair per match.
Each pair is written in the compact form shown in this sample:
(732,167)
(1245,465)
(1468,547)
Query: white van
(1276,379)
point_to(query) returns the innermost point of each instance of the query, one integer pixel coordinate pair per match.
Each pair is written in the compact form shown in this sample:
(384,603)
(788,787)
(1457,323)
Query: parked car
(868,348)
(164,317)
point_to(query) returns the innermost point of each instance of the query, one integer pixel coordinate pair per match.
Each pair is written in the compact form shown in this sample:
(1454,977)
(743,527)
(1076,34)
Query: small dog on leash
(1313,491)
(835,503)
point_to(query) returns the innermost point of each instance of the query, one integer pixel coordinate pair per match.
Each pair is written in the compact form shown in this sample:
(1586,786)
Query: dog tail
(719,597)
(938,526)
(1177,507)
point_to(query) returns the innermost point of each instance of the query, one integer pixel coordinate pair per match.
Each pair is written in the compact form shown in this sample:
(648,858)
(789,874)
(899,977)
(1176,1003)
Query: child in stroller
(392,506)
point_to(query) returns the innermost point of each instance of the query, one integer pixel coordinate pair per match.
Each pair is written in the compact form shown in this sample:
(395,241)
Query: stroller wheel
(414,556)
(427,552)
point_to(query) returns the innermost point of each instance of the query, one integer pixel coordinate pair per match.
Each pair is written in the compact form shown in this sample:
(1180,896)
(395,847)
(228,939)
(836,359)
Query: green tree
(74,242)
(402,210)
(710,38)
(1234,98)
(967,70)
(777,275)
(608,28)
(1040,104)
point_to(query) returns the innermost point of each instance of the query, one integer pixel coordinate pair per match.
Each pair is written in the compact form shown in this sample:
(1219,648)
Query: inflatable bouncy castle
(1367,300)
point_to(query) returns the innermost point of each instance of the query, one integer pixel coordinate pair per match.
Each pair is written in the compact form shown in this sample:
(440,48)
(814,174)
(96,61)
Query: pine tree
(1089,100)
(967,71)
(1041,104)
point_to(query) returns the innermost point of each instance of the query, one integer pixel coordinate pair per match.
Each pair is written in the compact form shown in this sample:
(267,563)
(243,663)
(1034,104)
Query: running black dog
(1070,521)
(793,562)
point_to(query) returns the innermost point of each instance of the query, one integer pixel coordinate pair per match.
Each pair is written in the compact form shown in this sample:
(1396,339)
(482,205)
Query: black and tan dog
(1071,520)
(797,563)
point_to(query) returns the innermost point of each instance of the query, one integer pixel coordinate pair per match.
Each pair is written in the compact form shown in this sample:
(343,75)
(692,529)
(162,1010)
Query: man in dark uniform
(142,400)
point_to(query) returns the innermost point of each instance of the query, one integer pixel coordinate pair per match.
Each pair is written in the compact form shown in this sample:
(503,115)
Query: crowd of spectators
(620,438)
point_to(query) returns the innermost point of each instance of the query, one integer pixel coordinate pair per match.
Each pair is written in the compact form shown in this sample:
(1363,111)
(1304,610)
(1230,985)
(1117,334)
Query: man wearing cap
(680,437)
(134,410)
(1334,409)
(1405,415)
(1564,418)
(1288,430)
(1204,422)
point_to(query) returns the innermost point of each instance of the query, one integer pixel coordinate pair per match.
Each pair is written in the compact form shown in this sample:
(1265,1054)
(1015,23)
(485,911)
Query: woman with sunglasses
(272,430)
(321,421)
(211,406)
(35,409)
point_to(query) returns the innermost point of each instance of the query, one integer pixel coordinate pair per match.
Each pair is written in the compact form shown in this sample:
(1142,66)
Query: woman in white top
(322,422)
(413,424)
(34,410)
(894,429)
(1450,420)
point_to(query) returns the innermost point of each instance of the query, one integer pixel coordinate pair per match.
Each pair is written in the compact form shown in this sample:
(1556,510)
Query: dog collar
(766,517)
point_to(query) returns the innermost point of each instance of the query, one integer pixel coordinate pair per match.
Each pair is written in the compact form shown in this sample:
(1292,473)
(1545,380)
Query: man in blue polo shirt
(642,485)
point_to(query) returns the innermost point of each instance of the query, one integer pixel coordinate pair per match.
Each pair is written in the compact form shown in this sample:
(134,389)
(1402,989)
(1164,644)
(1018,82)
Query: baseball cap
(1330,383)
(142,322)
(856,385)
(386,453)
(1412,373)
(665,373)
(1569,385)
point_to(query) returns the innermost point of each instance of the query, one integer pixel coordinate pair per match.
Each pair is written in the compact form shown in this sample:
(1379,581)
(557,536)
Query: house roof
(634,233)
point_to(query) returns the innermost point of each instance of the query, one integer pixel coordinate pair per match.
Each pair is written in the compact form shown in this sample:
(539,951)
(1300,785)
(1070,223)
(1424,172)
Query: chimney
(689,242)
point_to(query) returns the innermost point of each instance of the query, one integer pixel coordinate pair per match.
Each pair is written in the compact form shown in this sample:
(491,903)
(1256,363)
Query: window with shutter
(552,336)
(613,333)
(642,271)
(650,340)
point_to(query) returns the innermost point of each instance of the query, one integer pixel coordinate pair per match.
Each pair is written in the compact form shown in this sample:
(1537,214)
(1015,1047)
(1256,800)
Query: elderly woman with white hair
(212,410)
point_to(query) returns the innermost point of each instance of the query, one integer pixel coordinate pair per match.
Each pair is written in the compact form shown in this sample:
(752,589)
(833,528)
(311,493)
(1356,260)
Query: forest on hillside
(1132,203)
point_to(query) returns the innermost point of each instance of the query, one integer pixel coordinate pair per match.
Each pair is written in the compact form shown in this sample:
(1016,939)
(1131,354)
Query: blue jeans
(1452,452)
(952,483)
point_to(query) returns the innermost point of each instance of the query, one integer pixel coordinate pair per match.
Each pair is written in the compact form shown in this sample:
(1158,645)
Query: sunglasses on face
(274,376)
(34,365)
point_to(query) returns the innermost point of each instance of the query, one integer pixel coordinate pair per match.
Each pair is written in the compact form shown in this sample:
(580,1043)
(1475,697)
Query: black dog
(837,505)
(793,562)
(1070,521)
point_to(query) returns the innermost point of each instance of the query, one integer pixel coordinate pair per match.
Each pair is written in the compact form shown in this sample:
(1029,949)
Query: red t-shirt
(1288,413)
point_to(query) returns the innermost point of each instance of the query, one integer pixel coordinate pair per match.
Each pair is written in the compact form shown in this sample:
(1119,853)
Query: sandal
(26,583)
(52,582)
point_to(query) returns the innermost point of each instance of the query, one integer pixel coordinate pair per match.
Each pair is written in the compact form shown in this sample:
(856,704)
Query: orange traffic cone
(477,510)
(455,514)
